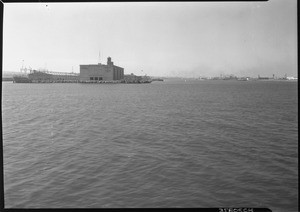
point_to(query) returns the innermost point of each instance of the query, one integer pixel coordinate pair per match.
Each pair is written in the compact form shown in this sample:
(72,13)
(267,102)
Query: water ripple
(198,144)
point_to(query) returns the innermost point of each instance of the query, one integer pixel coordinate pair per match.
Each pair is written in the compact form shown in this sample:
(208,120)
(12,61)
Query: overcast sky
(189,39)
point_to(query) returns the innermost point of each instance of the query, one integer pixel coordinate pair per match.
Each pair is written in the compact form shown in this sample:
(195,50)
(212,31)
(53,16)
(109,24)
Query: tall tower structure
(109,62)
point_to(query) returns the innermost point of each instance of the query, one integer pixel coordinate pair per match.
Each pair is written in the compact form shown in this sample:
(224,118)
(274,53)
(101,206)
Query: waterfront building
(99,72)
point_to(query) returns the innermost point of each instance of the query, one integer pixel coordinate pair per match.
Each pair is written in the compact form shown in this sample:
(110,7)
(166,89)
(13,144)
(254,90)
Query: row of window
(96,78)
(118,74)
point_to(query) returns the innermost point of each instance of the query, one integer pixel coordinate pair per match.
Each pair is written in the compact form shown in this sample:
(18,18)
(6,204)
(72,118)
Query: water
(164,144)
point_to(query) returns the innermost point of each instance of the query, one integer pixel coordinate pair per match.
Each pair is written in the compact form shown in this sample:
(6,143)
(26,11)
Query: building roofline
(100,65)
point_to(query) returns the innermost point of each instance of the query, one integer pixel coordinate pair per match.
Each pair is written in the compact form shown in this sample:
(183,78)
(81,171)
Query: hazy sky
(189,39)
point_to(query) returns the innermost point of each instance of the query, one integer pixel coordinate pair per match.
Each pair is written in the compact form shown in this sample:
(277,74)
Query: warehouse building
(99,72)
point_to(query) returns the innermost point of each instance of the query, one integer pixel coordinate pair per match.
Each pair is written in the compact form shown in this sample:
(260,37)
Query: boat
(21,79)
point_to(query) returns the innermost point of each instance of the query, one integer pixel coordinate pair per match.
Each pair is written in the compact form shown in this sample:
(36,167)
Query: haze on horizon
(182,39)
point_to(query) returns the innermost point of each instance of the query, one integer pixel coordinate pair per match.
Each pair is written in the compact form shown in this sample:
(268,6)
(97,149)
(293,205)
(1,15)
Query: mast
(22,66)
(99,59)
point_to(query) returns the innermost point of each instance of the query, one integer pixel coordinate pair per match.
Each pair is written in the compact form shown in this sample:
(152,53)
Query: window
(96,78)
(100,78)
(91,78)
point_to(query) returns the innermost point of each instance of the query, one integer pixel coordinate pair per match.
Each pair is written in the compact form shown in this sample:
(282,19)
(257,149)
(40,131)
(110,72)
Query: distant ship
(21,79)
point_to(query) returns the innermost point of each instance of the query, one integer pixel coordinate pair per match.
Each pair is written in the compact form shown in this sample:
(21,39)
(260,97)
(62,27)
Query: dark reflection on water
(170,144)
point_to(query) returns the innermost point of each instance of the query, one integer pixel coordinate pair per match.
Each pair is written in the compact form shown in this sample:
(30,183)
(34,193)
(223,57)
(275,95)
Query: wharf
(26,80)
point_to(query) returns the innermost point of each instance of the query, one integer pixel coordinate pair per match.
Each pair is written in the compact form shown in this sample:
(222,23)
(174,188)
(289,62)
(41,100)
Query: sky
(175,39)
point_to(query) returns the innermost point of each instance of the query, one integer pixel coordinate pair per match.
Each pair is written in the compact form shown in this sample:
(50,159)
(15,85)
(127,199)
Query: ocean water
(164,144)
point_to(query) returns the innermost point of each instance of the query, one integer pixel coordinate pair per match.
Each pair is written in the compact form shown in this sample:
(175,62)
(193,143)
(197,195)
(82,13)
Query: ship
(23,76)
(21,79)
